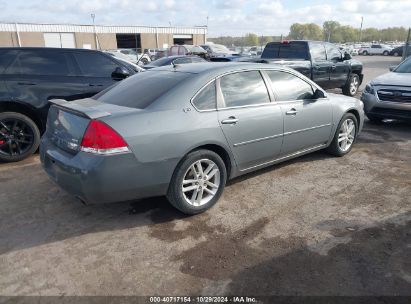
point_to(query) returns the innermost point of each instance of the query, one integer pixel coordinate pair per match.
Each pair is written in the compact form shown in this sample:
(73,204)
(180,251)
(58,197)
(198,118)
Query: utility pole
(93,16)
(407,45)
(362,20)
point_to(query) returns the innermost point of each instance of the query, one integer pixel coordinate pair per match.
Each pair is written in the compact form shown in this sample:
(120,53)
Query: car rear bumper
(385,109)
(104,179)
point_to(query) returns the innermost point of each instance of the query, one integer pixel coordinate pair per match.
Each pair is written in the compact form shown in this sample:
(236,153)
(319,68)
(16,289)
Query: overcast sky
(263,17)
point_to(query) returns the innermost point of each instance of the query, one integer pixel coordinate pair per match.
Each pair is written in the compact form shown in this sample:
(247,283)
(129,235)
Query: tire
(183,200)
(385,53)
(365,53)
(153,58)
(352,85)
(144,61)
(396,54)
(334,148)
(374,120)
(19,137)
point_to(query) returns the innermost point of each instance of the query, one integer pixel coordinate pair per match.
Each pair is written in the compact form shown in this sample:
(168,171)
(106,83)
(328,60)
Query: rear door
(6,57)
(38,75)
(96,71)
(320,65)
(252,124)
(307,121)
(339,68)
(376,49)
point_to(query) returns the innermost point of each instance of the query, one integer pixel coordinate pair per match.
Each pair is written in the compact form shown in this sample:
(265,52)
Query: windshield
(160,62)
(218,48)
(404,67)
(292,50)
(142,89)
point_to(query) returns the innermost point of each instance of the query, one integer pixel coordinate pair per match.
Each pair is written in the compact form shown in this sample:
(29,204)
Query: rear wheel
(19,137)
(197,182)
(351,87)
(344,136)
(385,53)
(365,53)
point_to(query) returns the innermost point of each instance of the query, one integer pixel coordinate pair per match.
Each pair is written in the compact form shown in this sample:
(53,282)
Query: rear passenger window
(288,87)
(40,63)
(95,65)
(317,51)
(244,88)
(206,99)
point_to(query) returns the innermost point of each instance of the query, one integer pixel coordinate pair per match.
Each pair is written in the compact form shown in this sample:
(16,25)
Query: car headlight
(369,89)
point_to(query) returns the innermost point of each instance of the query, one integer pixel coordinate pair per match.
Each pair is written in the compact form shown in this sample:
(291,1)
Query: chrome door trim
(307,129)
(257,140)
(292,155)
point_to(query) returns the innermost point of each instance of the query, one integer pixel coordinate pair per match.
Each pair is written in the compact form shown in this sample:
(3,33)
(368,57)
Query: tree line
(331,31)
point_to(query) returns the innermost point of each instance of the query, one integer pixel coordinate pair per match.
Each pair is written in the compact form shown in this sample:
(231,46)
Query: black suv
(30,77)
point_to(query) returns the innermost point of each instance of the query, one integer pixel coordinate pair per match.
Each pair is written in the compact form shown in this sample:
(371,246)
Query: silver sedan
(182,131)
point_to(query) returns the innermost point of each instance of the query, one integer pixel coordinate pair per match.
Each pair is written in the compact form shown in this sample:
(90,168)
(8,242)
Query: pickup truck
(322,62)
(375,49)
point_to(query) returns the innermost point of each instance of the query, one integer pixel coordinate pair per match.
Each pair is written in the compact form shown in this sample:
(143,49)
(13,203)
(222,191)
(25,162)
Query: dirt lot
(317,225)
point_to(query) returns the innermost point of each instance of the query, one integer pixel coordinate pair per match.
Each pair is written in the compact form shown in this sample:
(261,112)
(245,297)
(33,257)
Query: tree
(309,31)
(251,39)
(330,30)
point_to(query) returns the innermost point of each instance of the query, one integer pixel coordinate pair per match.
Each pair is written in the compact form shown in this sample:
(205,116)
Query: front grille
(394,95)
(391,113)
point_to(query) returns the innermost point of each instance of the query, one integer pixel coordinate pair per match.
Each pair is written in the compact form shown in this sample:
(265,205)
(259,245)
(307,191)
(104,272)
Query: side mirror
(392,68)
(120,73)
(318,94)
(347,56)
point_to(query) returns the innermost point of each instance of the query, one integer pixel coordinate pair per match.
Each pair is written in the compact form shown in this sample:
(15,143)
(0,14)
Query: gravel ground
(317,225)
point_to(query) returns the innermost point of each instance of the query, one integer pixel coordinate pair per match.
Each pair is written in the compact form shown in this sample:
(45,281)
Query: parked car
(183,131)
(173,60)
(32,76)
(376,49)
(131,55)
(160,54)
(151,53)
(389,95)
(399,50)
(136,68)
(188,50)
(322,62)
(218,50)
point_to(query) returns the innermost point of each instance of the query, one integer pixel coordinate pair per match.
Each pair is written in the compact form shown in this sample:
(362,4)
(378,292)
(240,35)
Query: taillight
(100,138)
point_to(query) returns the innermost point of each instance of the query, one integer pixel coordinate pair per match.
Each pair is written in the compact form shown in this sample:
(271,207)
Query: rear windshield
(292,50)
(404,67)
(142,89)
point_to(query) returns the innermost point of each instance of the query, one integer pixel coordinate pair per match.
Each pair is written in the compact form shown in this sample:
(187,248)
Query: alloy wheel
(16,137)
(346,135)
(201,182)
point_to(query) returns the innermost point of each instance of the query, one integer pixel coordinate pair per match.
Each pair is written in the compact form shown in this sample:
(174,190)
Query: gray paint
(163,133)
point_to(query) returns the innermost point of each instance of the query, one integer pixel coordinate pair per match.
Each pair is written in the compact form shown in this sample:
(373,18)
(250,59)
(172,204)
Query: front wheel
(374,119)
(396,54)
(197,182)
(344,136)
(351,87)
(19,137)
(385,53)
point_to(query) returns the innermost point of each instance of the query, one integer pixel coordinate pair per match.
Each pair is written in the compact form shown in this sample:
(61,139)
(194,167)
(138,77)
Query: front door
(320,65)
(252,124)
(339,68)
(307,121)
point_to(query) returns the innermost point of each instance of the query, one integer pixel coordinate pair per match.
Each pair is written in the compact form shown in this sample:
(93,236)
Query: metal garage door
(59,40)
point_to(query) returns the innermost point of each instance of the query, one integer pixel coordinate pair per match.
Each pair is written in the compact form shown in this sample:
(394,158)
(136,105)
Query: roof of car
(47,49)
(217,67)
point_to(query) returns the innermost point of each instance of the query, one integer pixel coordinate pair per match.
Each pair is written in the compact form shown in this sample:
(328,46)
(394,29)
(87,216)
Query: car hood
(394,79)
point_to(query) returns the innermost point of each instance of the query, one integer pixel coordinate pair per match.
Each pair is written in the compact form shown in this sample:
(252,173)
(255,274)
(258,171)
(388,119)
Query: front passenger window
(288,87)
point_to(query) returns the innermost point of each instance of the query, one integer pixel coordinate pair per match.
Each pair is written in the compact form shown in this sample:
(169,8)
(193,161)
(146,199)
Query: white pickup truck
(375,49)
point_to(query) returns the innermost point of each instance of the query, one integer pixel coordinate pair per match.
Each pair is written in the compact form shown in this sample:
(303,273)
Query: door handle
(230,121)
(291,112)
(26,83)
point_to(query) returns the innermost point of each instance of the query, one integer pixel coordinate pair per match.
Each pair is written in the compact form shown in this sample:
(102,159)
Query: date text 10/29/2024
(204,299)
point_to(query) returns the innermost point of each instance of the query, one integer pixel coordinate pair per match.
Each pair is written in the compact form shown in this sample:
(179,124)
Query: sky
(235,18)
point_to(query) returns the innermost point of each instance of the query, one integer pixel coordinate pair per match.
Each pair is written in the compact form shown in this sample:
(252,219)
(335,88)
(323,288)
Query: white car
(131,55)
(376,49)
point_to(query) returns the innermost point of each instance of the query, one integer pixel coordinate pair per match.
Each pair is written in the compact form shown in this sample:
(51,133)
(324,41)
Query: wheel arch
(8,106)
